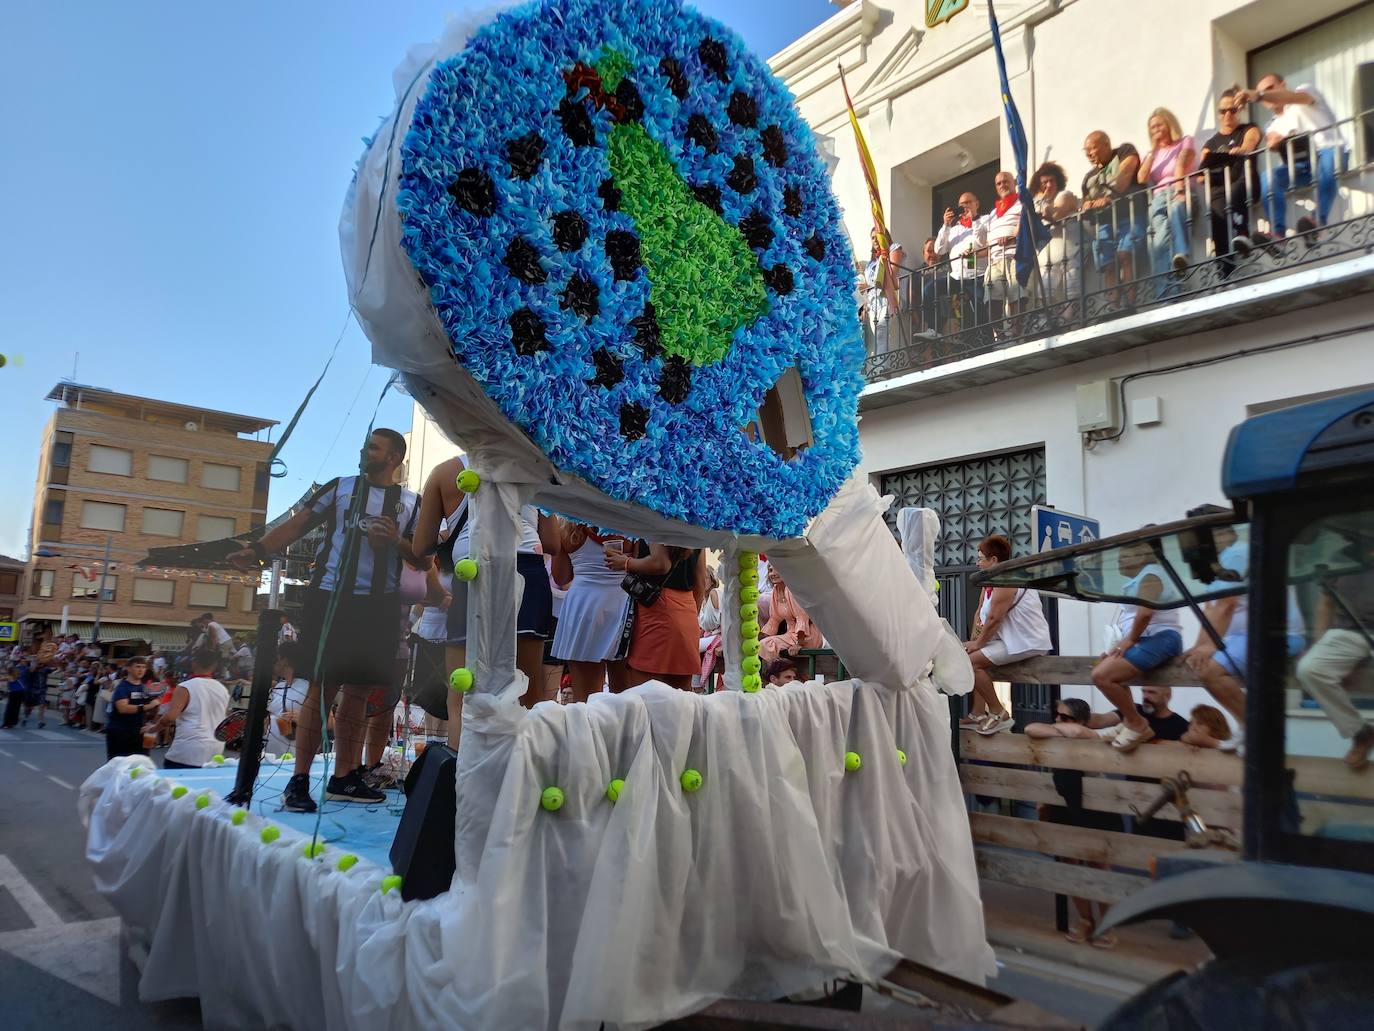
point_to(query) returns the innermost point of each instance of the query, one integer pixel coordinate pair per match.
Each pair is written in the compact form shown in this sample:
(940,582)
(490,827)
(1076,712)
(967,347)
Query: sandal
(1129,740)
(972,720)
(1081,933)
(1104,941)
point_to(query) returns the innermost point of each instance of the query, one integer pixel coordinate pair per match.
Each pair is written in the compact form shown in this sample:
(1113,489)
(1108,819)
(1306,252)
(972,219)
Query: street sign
(1058,529)
(9,632)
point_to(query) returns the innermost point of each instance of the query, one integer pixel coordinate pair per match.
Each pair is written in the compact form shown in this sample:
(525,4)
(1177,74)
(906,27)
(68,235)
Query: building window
(213,528)
(249,595)
(53,510)
(168,470)
(163,522)
(112,460)
(42,583)
(220,477)
(9,582)
(84,588)
(62,454)
(209,596)
(100,515)
(154,592)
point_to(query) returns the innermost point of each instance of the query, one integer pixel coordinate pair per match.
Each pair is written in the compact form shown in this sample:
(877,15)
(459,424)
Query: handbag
(641,590)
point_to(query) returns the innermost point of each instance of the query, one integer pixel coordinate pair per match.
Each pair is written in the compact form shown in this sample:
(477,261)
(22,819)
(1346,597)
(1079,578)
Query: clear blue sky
(173,179)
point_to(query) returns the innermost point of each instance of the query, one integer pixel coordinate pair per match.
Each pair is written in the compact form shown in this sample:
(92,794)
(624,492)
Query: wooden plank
(1156,759)
(1078,670)
(1321,776)
(1060,878)
(1056,839)
(1217,808)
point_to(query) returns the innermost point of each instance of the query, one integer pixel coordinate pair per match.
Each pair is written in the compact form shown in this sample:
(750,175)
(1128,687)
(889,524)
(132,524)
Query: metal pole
(100,594)
(250,758)
(274,591)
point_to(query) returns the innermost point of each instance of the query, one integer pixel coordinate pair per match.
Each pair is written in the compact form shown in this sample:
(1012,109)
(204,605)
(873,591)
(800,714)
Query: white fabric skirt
(590,625)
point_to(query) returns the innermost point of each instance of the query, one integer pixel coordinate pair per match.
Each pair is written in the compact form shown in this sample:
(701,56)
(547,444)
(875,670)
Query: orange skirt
(666,635)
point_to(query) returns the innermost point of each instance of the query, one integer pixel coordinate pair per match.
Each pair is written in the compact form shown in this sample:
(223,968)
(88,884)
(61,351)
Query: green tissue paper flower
(704,281)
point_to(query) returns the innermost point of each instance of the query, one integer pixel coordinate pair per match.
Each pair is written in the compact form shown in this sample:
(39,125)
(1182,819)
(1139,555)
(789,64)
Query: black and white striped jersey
(373,572)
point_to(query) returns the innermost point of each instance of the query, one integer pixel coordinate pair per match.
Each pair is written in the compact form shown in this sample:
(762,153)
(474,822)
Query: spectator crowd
(1129,224)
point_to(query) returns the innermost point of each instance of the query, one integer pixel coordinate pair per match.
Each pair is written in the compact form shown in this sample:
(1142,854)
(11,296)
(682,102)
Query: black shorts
(536,603)
(124,742)
(363,635)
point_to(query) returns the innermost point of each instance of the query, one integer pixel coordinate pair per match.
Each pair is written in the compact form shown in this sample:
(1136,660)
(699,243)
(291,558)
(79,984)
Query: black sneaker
(351,788)
(296,798)
(1308,230)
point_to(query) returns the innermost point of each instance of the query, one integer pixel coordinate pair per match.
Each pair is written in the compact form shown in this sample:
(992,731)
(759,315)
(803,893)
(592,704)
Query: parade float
(598,244)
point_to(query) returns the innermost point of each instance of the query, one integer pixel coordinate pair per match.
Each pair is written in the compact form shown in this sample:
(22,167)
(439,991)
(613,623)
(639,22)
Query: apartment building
(132,473)
(11,584)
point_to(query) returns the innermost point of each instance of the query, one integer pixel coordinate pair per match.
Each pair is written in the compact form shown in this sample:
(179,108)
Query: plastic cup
(614,547)
(420,748)
(150,739)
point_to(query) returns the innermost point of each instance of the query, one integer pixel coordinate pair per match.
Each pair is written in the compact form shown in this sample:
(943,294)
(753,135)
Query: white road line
(7,755)
(30,766)
(60,782)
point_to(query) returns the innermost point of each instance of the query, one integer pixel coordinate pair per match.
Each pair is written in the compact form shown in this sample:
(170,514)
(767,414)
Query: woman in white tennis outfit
(591,626)
(1012,627)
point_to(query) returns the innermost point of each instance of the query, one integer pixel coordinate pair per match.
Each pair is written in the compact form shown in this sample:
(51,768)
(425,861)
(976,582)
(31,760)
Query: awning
(161,637)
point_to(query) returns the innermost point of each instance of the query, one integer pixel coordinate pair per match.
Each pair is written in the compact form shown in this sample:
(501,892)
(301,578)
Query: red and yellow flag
(875,200)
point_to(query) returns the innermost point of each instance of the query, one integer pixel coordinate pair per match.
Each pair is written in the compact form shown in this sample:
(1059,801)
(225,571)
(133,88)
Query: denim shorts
(1107,246)
(1155,650)
(1233,659)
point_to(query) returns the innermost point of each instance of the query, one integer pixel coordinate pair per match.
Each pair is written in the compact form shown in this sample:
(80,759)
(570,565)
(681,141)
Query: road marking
(60,782)
(6,754)
(85,954)
(53,735)
(30,765)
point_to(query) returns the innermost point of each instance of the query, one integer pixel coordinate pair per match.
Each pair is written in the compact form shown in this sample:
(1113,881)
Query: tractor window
(1329,698)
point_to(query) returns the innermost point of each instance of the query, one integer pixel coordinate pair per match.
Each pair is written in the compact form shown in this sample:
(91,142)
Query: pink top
(1162,165)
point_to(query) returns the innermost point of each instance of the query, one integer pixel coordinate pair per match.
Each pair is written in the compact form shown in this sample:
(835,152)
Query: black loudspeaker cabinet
(422,852)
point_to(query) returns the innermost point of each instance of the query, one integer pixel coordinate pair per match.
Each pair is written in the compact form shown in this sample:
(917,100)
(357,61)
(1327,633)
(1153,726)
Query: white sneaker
(1108,734)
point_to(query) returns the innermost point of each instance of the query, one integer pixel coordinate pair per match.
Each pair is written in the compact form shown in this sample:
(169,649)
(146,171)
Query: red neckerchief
(1004,203)
(966,221)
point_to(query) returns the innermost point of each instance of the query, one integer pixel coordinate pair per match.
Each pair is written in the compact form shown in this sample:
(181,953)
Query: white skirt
(591,623)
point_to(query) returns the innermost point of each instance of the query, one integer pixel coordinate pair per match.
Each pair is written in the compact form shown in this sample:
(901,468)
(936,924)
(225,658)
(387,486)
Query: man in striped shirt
(350,627)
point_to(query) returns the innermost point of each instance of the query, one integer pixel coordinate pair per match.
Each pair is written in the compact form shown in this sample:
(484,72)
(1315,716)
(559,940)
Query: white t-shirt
(215,636)
(1024,627)
(1163,619)
(1315,118)
(195,740)
(529,534)
(284,698)
(1237,558)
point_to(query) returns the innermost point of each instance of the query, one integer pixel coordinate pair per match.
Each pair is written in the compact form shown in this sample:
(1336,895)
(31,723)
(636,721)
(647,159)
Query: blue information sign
(1058,529)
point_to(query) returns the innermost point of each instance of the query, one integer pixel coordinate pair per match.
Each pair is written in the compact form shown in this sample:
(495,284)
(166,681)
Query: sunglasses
(1064,717)
(1229,110)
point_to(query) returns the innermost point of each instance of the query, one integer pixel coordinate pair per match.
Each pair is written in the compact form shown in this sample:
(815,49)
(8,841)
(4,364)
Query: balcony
(948,333)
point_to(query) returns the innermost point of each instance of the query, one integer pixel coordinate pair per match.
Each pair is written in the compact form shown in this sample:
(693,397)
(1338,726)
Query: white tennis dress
(593,616)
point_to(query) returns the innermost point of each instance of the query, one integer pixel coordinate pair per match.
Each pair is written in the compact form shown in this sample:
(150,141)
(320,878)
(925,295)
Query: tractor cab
(1290,919)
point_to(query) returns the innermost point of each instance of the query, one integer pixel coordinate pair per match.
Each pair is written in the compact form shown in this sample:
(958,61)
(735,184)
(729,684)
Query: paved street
(60,962)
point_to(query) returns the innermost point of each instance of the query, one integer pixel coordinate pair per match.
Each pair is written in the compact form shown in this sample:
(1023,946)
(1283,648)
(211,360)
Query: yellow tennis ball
(347,862)
(748,594)
(690,780)
(390,881)
(239,816)
(286,757)
(614,789)
(749,577)
(749,611)
(750,664)
(901,757)
(217,759)
(749,645)
(2,361)
(202,801)
(460,679)
(465,569)
(469,481)
(749,628)
(313,849)
(852,761)
(270,833)
(552,799)
(751,683)
(133,773)
(748,560)
(179,790)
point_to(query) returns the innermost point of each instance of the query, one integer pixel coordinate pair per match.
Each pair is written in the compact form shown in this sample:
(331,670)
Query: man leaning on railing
(1302,120)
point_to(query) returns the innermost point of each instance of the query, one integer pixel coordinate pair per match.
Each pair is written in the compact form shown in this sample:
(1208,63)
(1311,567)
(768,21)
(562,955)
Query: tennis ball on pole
(614,788)
(202,801)
(239,816)
(347,862)
(690,781)
(901,757)
(469,481)
(217,759)
(270,833)
(748,595)
(750,664)
(179,790)
(460,680)
(749,645)
(852,762)
(390,881)
(313,849)
(749,577)
(749,629)
(465,569)
(552,799)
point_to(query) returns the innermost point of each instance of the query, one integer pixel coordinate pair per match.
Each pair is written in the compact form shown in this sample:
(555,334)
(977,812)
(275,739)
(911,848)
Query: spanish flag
(886,281)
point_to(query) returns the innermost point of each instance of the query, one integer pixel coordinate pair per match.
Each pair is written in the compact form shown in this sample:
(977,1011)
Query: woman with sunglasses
(1011,627)
(1071,719)
(1228,160)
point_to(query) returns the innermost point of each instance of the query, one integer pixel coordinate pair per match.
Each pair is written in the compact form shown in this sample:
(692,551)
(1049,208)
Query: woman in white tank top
(1011,627)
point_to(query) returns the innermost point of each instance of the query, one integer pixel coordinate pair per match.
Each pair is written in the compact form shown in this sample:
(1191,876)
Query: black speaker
(422,852)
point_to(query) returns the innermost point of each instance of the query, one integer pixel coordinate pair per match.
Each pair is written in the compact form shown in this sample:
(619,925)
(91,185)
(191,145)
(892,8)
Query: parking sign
(1058,529)
(9,632)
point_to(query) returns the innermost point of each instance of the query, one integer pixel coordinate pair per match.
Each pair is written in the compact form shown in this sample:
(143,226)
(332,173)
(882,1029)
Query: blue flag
(1033,233)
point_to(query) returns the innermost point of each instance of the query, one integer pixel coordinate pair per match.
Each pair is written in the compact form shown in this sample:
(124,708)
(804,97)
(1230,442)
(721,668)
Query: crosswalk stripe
(30,766)
(60,782)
